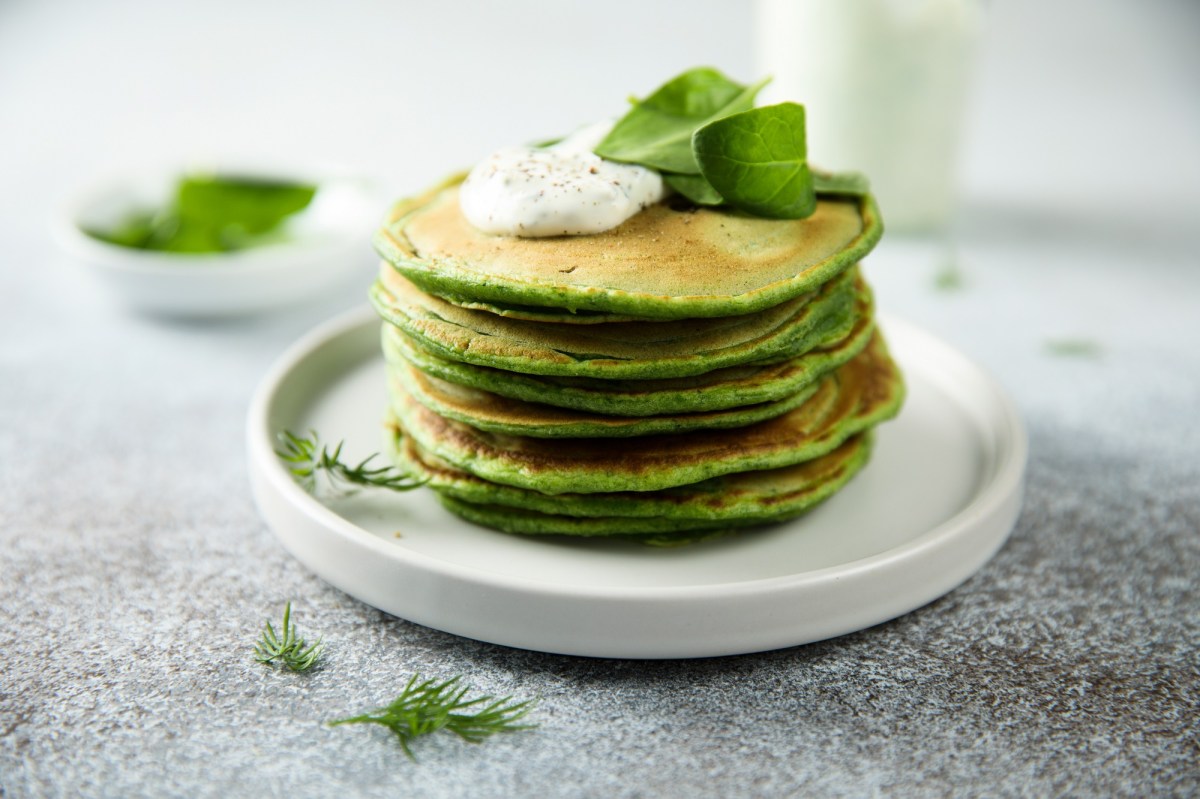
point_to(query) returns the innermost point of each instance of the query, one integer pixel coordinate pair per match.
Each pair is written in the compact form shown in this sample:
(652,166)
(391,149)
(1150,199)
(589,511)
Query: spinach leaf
(213,214)
(693,187)
(757,160)
(252,205)
(136,230)
(853,184)
(657,132)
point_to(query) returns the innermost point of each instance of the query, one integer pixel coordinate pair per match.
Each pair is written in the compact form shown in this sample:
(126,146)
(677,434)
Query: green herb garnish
(286,647)
(1074,348)
(948,277)
(701,131)
(657,132)
(426,706)
(758,161)
(851,184)
(695,188)
(210,214)
(308,457)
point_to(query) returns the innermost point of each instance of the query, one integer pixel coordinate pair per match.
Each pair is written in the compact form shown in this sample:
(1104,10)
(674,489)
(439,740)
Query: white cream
(561,190)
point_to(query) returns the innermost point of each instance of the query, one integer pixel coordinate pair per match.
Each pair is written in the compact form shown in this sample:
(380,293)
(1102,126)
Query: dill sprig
(308,457)
(289,648)
(426,706)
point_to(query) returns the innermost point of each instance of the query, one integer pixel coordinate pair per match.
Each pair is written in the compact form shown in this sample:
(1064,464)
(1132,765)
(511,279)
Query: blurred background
(1079,108)
(1069,136)
(1062,255)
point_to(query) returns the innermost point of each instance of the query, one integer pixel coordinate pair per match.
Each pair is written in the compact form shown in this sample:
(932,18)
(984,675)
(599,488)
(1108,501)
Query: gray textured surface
(135,572)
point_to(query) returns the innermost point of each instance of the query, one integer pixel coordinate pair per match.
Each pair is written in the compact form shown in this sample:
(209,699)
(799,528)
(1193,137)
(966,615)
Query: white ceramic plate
(939,497)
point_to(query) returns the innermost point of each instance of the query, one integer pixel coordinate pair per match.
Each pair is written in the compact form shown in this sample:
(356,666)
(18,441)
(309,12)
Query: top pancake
(660,264)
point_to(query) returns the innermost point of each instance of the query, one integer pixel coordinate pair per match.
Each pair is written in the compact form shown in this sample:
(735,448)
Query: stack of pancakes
(692,370)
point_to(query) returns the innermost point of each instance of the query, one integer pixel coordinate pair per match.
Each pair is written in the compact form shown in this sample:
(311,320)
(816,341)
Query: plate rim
(999,495)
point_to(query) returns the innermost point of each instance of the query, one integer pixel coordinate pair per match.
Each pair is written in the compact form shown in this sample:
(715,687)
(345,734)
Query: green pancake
(496,414)
(755,496)
(662,263)
(526,522)
(533,313)
(529,522)
(861,393)
(637,350)
(729,387)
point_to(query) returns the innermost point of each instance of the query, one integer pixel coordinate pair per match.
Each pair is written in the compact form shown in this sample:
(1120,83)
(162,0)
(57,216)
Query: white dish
(939,497)
(325,242)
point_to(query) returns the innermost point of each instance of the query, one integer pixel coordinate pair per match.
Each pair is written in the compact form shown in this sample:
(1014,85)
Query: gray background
(135,572)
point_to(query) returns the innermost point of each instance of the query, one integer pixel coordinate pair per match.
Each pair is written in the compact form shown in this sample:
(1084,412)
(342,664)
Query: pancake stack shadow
(688,373)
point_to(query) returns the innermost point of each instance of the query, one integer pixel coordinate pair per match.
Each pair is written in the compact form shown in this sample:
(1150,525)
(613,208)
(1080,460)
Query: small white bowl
(327,243)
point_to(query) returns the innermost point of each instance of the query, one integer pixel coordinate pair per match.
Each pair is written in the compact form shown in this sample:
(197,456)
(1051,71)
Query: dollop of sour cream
(561,190)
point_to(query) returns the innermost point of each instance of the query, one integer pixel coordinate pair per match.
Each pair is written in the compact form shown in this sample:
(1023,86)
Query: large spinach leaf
(758,161)
(657,131)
